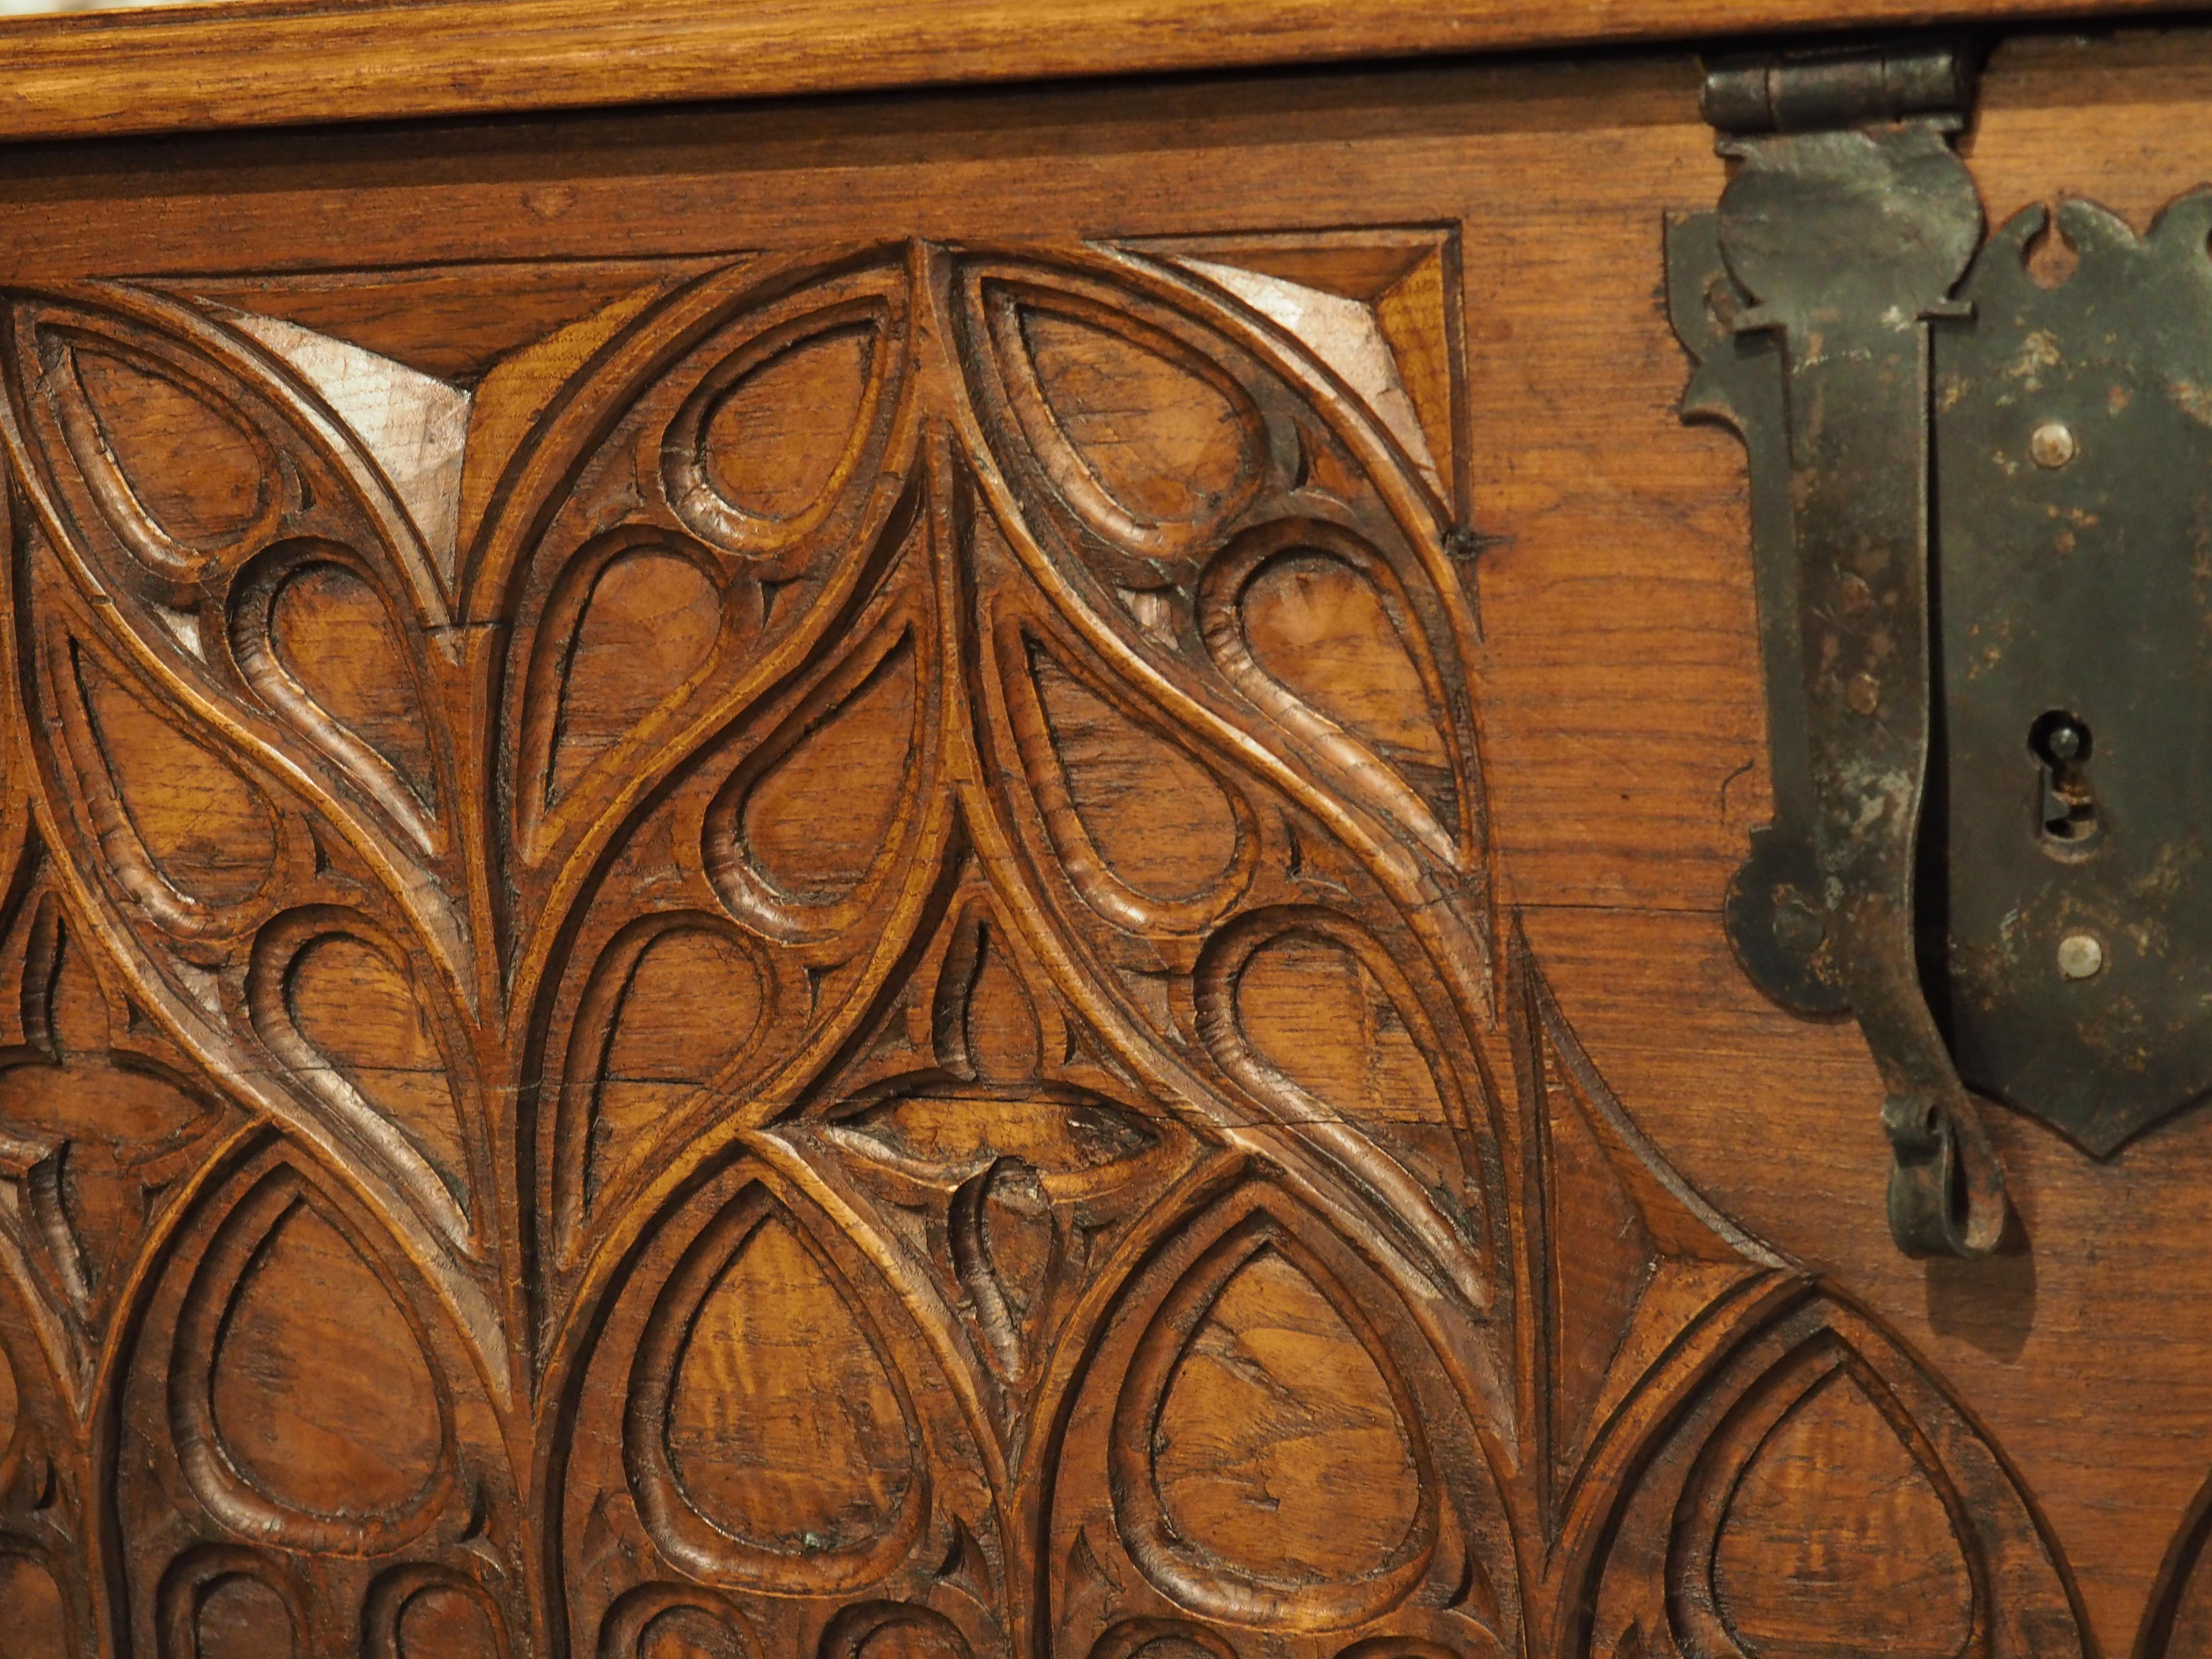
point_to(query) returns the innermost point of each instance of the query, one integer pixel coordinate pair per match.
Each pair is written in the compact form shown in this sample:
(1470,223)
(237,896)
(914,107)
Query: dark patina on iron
(1847,224)
(1982,532)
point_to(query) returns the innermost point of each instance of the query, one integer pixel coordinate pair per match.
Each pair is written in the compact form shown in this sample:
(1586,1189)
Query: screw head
(2080,956)
(2052,444)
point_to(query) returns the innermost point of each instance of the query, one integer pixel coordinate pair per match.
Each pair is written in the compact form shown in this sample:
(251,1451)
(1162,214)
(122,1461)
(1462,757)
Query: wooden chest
(836,833)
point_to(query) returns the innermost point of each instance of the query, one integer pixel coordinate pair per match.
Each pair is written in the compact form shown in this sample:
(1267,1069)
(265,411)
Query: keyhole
(2061,741)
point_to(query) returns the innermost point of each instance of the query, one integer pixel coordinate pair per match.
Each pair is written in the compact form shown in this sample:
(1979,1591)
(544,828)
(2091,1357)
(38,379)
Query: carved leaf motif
(1818,1490)
(1837,1538)
(319,643)
(772,445)
(321,1397)
(179,476)
(1319,627)
(239,1616)
(1277,1448)
(97,1138)
(948,1136)
(1319,1018)
(1276,1424)
(1148,836)
(1373,1060)
(767,1439)
(1005,1246)
(332,997)
(1143,436)
(756,458)
(649,620)
(184,833)
(1312,625)
(673,1003)
(37,1616)
(805,828)
(443,1621)
(783,1430)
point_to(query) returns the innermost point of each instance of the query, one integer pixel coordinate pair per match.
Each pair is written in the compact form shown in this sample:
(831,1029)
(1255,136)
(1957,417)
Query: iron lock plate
(1981,506)
(2073,440)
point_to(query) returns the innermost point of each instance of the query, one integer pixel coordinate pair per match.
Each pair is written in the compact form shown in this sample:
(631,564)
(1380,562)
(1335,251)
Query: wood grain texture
(267,63)
(942,878)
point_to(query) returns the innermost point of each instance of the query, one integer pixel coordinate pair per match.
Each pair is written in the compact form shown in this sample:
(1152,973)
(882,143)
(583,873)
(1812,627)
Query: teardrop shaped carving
(758,457)
(1320,630)
(444,1621)
(687,1632)
(1005,1246)
(1147,835)
(10,1401)
(187,836)
(893,1629)
(1278,1428)
(1312,625)
(37,1617)
(360,1011)
(666,1621)
(314,636)
(673,1002)
(774,440)
(1836,1540)
(1807,1487)
(335,1001)
(179,477)
(768,1437)
(1145,439)
(647,625)
(321,1415)
(986,1024)
(1270,1464)
(241,1617)
(797,834)
(1078,1145)
(1313,1011)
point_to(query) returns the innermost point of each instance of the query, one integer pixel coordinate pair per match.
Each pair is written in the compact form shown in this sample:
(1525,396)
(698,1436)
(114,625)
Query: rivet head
(2052,444)
(1798,928)
(1863,693)
(2080,956)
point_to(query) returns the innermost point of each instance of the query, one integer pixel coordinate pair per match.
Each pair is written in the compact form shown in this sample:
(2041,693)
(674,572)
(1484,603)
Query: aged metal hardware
(1982,528)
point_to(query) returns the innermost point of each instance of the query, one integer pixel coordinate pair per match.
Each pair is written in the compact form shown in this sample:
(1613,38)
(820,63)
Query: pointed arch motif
(851,903)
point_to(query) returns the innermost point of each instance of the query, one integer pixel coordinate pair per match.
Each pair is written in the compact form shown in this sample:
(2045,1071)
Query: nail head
(2080,956)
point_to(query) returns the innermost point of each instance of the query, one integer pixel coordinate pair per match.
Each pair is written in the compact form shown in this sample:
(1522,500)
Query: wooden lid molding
(270,63)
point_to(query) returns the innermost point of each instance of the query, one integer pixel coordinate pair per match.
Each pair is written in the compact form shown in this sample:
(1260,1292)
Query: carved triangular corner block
(1379,308)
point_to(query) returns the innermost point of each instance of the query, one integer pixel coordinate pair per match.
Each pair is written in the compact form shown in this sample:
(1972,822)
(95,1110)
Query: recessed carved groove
(260,589)
(1225,466)
(883,672)
(846,1401)
(649,676)
(1320,1578)
(92,434)
(751,386)
(1381,775)
(1455,1253)
(238,861)
(1023,663)
(428,1146)
(587,1147)
(220,1476)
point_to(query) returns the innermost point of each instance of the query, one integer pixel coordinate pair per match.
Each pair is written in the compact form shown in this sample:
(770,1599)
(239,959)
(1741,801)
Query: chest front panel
(945,877)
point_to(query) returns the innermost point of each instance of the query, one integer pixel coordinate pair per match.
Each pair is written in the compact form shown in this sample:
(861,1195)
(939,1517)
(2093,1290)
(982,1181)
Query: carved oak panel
(800,954)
